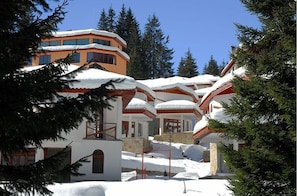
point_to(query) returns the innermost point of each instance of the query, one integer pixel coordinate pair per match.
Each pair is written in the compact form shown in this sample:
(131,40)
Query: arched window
(98,161)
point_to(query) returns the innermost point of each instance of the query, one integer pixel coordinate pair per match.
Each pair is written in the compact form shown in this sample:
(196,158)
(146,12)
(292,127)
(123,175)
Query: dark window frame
(98,161)
(101,41)
(75,58)
(44,59)
(20,159)
(101,58)
(81,41)
(50,43)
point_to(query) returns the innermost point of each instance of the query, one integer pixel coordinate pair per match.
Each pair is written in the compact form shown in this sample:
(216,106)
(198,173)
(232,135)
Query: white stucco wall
(115,116)
(144,129)
(141,96)
(81,147)
(112,159)
(217,101)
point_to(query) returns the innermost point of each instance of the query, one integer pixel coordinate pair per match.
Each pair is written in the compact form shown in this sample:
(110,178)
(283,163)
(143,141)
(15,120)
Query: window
(44,59)
(98,161)
(20,159)
(50,43)
(83,41)
(140,130)
(75,58)
(172,125)
(186,125)
(70,42)
(125,128)
(102,42)
(29,62)
(100,57)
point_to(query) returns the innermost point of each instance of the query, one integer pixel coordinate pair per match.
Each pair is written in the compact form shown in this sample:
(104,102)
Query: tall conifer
(121,24)
(187,66)
(264,107)
(128,28)
(111,20)
(32,110)
(135,65)
(102,24)
(157,55)
(212,67)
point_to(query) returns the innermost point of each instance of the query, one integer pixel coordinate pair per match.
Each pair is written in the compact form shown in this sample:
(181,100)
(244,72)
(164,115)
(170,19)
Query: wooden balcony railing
(105,131)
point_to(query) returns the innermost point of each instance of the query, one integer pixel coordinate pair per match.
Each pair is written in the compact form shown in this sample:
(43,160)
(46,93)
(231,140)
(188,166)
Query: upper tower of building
(90,45)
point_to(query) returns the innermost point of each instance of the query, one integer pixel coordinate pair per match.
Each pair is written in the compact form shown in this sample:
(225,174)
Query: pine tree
(187,66)
(32,110)
(121,24)
(264,107)
(157,55)
(102,24)
(222,66)
(165,64)
(111,20)
(212,68)
(134,49)
(128,29)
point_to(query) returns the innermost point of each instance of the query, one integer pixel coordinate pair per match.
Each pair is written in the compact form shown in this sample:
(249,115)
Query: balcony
(101,131)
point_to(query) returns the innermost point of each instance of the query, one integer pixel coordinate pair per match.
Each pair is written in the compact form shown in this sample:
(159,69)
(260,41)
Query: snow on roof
(167,83)
(94,78)
(89,31)
(136,103)
(176,104)
(145,88)
(202,91)
(218,115)
(179,79)
(204,79)
(159,83)
(227,78)
(86,46)
(200,124)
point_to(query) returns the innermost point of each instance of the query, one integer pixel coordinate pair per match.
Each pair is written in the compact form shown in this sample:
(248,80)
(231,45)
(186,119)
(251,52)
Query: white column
(39,154)
(130,130)
(118,117)
(161,125)
(235,145)
(182,123)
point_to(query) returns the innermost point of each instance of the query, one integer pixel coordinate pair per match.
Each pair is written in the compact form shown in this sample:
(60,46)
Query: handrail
(93,130)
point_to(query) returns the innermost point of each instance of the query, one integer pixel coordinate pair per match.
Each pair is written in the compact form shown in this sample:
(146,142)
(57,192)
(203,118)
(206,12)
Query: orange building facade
(90,45)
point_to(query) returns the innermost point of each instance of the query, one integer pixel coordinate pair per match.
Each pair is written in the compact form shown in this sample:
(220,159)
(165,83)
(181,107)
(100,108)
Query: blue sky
(205,27)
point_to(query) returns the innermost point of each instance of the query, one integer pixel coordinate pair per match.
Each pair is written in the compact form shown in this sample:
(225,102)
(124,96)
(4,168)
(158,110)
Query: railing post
(115,132)
(86,129)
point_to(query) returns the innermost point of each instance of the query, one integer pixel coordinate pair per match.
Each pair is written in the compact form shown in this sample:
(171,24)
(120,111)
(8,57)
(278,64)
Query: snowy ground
(144,187)
(184,158)
(184,163)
